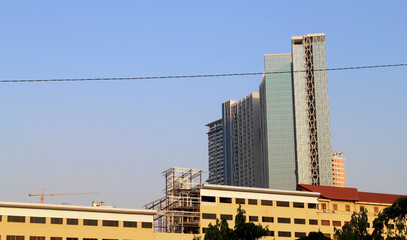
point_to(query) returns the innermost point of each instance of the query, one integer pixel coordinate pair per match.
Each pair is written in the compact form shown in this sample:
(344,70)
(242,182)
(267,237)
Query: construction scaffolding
(179,210)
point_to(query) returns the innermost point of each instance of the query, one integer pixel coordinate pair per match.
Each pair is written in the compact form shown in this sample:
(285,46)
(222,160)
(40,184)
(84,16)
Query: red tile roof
(348,194)
(378,197)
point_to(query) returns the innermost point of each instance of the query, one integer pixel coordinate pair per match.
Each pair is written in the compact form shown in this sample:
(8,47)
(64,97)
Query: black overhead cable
(191,76)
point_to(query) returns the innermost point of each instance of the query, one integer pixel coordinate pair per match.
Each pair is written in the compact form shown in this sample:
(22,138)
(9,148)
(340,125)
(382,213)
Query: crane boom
(42,194)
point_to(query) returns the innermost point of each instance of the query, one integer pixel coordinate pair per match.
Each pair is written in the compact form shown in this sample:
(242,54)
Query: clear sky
(117,137)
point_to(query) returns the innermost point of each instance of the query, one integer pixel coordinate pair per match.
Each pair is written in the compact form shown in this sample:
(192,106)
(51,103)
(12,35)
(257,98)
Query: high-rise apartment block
(215,152)
(241,141)
(288,124)
(338,168)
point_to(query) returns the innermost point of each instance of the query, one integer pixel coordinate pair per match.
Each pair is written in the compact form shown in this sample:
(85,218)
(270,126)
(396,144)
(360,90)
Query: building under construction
(179,210)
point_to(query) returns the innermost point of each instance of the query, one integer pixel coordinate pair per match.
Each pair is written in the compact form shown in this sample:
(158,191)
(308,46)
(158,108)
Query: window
(267,219)
(0,218)
(109,223)
(56,220)
(204,230)
(312,206)
(313,222)
(270,233)
(208,215)
(266,203)
(325,223)
(147,225)
(300,234)
(225,200)
(347,208)
(89,239)
(323,206)
(15,219)
(130,224)
(208,199)
(283,204)
(252,201)
(253,218)
(36,238)
(37,219)
(70,238)
(298,205)
(71,221)
(299,221)
(284,234)
(283,220)
(335,207)
(226,216)
(90,222)
(362,208)
(376,209)
(56,238)
(240,201)
(12,237)
(336,223)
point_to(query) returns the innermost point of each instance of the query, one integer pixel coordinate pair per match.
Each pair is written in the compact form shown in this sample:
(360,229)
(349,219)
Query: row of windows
(256,202)
(14,237)
(279,219)
(75,221)
(281,233)
(347,207)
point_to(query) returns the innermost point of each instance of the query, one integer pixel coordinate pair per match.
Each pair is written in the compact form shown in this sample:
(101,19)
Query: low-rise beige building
(189,207)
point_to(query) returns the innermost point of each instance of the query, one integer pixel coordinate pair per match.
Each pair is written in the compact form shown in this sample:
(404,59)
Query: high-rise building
(282,138)
(215,152)
(241,141)
(338,168)
(296,136)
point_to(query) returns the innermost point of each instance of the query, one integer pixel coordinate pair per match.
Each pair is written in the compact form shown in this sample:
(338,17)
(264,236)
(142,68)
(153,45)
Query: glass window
(298,205)
(240,201)
(336,223)
(313,222)
(90,222)
(266,203)
(253,218)
(283,220)
(325,222)
(37,219)
(147,225)
(13,237)
(15,219)
(226,216)
(72,221)
(283,204)
(252,201)
(56,220)
(299,221)
(208,199)
(284,234)
(209,215)
(110,223)
(225,200)
(129,224)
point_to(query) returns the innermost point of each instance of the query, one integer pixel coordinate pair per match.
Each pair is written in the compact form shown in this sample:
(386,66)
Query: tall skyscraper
(241,141)
(283,138)
(215,152)
(296,136)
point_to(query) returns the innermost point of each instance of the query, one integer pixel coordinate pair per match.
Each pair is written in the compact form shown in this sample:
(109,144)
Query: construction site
(179,210)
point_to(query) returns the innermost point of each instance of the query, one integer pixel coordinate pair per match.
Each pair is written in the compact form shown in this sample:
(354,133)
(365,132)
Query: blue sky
(117,137)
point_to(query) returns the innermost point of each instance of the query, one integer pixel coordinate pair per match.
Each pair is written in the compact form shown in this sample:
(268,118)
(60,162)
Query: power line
(192,76)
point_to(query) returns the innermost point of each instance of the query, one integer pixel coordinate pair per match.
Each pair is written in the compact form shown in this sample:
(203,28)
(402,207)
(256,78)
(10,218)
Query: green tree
(241,231)
(356,229)
(396,214)
(315,236)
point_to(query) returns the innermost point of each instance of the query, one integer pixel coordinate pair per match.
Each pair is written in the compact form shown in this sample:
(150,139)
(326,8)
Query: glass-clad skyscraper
(296,136)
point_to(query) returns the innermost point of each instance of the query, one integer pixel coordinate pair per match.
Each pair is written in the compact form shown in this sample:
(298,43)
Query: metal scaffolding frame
(179,210)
